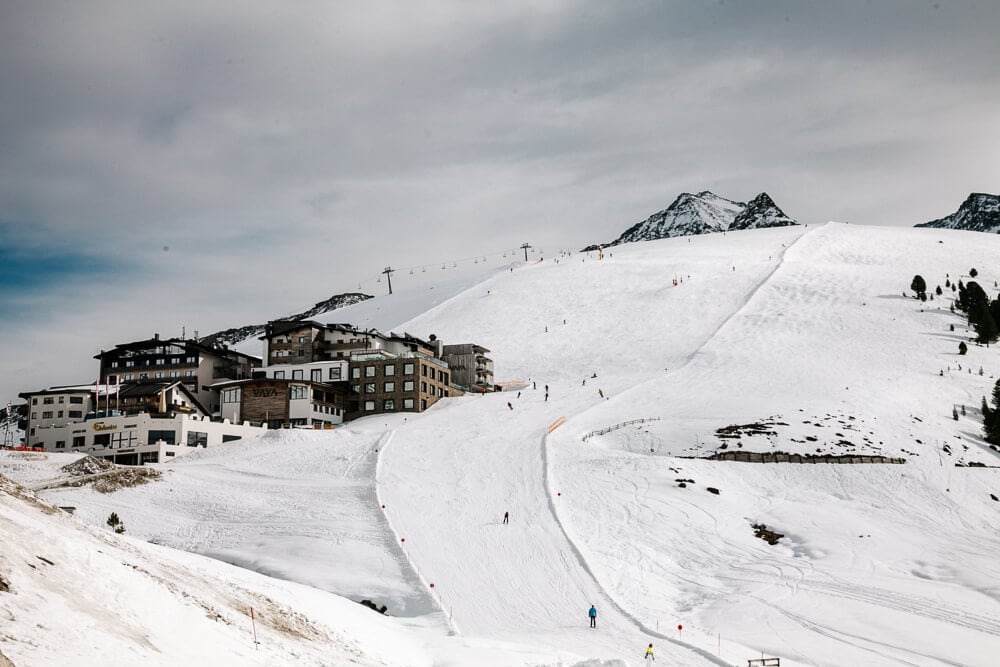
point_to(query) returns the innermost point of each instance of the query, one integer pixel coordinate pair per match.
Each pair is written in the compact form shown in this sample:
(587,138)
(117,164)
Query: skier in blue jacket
(593,616)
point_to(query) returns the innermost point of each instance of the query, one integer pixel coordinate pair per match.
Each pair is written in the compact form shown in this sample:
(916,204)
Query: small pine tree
(973,272)
(119,527)
(954,413)
(951,327)
(947,282)
(963,409)
(937,290)
(980,370)
(962,347)
(918,285)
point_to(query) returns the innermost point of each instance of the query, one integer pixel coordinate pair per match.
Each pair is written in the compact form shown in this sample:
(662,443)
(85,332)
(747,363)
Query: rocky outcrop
(980,212)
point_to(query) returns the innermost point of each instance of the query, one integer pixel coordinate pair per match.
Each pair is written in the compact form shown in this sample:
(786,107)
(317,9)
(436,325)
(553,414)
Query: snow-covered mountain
(237,335)
(759,213)
(611,460)
(704,213)
(980,212)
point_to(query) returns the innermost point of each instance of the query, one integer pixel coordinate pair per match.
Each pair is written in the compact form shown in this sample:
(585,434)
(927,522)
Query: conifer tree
(919,287)
(962,347)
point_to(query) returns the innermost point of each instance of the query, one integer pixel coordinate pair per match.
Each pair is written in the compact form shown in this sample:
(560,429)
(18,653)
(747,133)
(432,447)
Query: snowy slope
(803,331)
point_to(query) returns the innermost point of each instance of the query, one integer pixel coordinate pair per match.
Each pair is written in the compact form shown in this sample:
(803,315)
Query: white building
(141,424)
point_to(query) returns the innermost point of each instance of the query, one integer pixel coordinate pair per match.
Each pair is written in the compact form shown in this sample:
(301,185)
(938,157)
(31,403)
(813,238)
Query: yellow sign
(101,426)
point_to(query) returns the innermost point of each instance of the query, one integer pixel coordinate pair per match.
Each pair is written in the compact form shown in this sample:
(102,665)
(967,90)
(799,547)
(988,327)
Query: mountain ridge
(980,212)
(704,213)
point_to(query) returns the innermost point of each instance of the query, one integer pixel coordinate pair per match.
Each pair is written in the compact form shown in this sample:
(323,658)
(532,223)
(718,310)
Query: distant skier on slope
(506,517)
(649,654)
(593,616)
(509,405)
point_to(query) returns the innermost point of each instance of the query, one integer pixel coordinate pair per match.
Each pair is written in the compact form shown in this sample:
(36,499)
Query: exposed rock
(980,212)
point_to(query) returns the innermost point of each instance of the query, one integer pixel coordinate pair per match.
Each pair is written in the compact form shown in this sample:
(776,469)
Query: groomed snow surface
(801,337)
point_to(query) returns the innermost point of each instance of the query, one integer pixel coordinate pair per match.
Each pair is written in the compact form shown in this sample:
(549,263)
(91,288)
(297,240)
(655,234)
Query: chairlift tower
(524,247)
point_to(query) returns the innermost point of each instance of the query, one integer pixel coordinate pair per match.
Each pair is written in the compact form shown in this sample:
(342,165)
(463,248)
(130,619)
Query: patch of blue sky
(27,273)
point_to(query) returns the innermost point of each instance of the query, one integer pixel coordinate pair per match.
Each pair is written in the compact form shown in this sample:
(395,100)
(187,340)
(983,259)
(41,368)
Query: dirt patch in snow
(15,490)
(4,662)
(88,465)
(121,479)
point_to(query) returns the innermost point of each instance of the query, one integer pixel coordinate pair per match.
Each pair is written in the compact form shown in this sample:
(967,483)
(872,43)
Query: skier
(506,516)
(546,396)
(584,382)
(649,654)
(601,392)
(509,405)
(519,394)
(534,385)
(593,616)
(546,389)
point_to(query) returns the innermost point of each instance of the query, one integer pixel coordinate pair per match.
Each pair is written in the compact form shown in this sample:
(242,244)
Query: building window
(302,353)
(303,339)
(128,377)
(60,444)
(48,400)
(356,388)
(407,369)
(192,360)
(175,374)
(408,385)
(423,403)
(231,396)
(355,372)
(77,400)
(297,375)
(423,370)
(299,391)
(388,404)
(143,376)
(369,406)
(102,440)
(316,374)
(335,373)
(129,364)
(62,399)
(390,387)
(407,403)
(369,371)
(189,374)
(279,375)
(34,415)
(390,370)
(160,362)
(114,364)
(443,376)
(75,414)
(423,387)
(79,440)
(168,437)
(175,360)
(158,374)
(370,388)
(47,414)
(197,439)
(440,392)
(59,414)
(34,401)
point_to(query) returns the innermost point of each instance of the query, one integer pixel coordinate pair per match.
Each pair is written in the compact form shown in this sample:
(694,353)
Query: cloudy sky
(206,164)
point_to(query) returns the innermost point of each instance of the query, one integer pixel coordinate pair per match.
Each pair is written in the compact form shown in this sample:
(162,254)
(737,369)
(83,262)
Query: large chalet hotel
(156,399)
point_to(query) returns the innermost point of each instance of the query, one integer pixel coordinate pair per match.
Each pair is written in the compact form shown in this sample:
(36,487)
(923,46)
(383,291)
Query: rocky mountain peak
(703,213)
(980,212)
(761,212)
